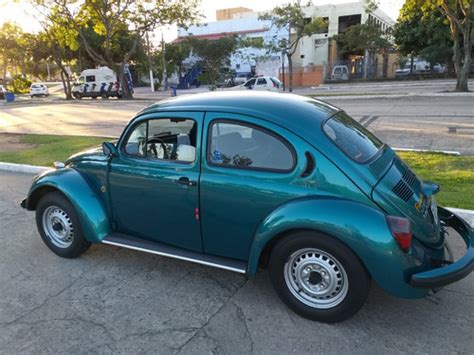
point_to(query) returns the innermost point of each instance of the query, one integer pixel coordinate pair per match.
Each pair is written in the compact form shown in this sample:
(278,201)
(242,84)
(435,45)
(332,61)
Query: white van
(340,72)
(97,82)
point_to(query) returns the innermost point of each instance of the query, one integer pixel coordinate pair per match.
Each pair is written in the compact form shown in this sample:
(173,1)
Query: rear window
(352,138)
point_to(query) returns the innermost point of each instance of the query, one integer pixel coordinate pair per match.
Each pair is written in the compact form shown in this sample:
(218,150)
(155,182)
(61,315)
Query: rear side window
(90,78)
(239,145)
(262,81)
(351,137)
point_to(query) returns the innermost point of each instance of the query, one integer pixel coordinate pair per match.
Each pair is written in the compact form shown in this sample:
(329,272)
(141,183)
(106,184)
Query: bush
(20,84)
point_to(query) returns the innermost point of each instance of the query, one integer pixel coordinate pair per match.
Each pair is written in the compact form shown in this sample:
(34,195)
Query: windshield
(351,137)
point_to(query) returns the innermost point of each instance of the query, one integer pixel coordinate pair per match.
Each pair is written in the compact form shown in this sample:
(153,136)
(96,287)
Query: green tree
(427,36)
(460,15)
(9,47)
(292,18)
(213,54)
(363,39)
(111,18)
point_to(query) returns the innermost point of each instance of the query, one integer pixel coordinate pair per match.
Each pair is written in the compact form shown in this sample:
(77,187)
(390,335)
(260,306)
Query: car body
(260,83)
(39,89)
(237,179)
(3,91)
(340,73)
(241,78)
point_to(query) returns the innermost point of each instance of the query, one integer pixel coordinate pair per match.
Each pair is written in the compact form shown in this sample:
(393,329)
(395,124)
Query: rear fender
(93,216)
(362,228)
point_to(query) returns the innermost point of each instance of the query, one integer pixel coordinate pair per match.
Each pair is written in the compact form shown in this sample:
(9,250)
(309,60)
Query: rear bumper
(453,272)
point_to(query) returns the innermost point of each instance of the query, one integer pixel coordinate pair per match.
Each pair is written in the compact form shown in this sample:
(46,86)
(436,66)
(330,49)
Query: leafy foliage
(460,15)
(118,26)
(424,35)
(358,38)
(213,54)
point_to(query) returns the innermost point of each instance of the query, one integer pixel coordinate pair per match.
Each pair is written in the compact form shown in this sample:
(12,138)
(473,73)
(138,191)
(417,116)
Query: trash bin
(10,97)
(173,91)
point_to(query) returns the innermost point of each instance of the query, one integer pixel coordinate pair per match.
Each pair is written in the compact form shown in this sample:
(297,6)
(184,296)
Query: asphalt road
(113,300)
(435,123)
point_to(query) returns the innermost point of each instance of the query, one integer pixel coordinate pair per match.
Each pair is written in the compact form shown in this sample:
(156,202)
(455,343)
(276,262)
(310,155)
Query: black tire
(78,243)
(356,277)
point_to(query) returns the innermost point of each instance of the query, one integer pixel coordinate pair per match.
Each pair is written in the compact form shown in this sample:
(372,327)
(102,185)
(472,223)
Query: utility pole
(165,75)
(152,80)
(49,73)
(283,68)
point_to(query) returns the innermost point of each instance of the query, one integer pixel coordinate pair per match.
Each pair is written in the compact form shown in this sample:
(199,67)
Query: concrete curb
(449,152)
(22,168)
(385,96)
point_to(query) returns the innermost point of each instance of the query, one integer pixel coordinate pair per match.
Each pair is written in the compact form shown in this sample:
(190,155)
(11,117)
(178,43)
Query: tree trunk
(66,83)
(290,73)
(463,74)
(412,62)
(122,79)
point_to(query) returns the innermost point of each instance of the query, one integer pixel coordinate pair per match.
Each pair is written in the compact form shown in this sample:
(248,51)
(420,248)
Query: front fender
(362,228)
(90,210)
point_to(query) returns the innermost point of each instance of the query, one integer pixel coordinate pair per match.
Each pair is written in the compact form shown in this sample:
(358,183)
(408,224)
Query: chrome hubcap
(316,278)
(57,225)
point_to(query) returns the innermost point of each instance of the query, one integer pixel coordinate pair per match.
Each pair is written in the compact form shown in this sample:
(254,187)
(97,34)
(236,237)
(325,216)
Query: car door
(248,169)
(153,180)
(250,84)
(261,84)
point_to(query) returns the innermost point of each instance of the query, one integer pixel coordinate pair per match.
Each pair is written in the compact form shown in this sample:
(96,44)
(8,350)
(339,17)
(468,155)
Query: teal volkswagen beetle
(240,180)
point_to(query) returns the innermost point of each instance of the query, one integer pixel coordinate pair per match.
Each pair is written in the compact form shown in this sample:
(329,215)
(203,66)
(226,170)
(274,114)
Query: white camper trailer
(100,82)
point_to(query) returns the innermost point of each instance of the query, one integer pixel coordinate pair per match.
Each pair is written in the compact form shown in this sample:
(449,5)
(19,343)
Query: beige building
(231,13)
(321,49)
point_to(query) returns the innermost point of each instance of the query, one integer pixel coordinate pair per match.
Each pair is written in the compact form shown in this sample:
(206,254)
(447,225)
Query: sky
(22,13)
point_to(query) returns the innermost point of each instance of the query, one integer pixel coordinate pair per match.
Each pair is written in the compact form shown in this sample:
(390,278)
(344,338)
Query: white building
(318,49)
(245,24)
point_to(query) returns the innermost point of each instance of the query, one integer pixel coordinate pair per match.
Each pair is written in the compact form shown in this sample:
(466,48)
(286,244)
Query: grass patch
(455,175)
(45,149)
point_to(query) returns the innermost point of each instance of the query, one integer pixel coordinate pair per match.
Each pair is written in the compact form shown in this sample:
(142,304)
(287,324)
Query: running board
(126,241)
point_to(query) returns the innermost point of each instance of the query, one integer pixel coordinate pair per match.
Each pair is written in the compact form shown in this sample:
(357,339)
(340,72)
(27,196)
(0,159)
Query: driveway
(114,300)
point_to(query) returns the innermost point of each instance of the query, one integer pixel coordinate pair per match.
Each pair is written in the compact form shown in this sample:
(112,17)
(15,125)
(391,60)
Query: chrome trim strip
(197,261)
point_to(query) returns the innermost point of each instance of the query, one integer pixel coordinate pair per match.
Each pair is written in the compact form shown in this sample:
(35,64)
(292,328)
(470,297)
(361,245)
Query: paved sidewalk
(113,300)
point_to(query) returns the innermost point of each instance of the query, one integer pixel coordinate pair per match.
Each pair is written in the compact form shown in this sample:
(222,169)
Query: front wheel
(59,226)
(318,277)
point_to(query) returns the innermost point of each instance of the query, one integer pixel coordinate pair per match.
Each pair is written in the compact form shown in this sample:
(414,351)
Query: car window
(246,146)
(276,81)
(250,82)
(261,81)
(90,78)
(164,139)
(351,137)
(337,70)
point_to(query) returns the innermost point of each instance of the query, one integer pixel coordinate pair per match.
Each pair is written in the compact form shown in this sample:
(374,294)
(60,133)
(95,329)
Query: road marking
(370,120)
(363,119)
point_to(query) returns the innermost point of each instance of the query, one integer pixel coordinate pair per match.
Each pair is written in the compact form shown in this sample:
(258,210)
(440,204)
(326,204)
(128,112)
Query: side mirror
(109,149)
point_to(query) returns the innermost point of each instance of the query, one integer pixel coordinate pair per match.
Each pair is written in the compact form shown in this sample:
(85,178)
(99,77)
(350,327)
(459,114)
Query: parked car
(340,73)
(236,180)
(39,90)
(239,79)
(261,83)
(3,91)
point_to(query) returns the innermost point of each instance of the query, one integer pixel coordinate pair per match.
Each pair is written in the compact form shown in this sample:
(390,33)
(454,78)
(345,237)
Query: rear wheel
(59,226)
(318,277)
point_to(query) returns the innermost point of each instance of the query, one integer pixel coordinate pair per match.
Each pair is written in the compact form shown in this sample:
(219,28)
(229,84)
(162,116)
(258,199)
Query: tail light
(274,85)
(401,231)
